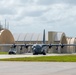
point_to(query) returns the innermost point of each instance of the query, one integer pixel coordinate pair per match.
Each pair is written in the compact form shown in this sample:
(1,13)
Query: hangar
(71,49)
(6,37)
(51,37)
(57,38)
(28,38)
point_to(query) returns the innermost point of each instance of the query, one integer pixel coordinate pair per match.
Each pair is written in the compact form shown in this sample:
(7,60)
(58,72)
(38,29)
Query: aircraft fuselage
(39,49)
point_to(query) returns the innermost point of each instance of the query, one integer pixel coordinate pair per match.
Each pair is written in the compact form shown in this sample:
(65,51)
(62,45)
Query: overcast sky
(36,15)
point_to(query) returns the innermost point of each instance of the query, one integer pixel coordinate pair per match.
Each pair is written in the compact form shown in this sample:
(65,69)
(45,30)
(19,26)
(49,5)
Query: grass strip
(3,53)
(66,58)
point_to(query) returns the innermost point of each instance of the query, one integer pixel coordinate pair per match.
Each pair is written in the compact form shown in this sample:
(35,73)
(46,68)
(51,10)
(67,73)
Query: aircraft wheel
(10,53)
(34,53)
(44,53)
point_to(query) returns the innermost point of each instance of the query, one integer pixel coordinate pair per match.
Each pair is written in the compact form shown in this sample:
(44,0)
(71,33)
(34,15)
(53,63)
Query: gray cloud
(49,14)
(29,14)
(7,11)
(24,2)
(48,2)
(34,13)
(1,0)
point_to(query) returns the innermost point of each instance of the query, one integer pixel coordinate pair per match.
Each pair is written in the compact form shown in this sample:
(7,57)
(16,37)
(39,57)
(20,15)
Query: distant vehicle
(12,51)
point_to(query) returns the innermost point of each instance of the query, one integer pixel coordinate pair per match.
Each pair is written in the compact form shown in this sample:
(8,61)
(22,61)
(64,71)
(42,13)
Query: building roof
(6,37)
(59,36)
(29,36)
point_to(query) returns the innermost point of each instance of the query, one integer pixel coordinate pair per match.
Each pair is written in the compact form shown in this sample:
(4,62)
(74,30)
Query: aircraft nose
(34,48)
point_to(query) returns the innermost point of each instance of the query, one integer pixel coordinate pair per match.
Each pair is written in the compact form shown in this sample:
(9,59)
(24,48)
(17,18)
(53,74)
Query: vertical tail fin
(44,36)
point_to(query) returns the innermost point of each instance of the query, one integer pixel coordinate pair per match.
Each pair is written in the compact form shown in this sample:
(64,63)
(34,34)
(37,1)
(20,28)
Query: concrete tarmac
(37,68)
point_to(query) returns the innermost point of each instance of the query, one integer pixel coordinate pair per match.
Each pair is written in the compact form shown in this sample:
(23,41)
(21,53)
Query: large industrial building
(6,37)
(51,37)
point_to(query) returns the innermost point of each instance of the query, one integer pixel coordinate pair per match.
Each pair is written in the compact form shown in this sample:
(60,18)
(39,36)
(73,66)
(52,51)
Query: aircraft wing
(68,44)
(61,45)
(52,44)
(14,45)
(27,45)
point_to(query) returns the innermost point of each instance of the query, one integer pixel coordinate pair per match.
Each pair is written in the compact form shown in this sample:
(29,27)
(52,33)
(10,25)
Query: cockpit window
(38,47)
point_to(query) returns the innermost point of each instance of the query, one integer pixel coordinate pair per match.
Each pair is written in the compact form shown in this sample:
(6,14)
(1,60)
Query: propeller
(56,47)
(14,46)
(50,46)
(26,46)
(62,46)
(21,48)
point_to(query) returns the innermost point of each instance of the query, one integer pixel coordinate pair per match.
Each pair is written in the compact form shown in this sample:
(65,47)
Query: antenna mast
(5,23)
(8,26)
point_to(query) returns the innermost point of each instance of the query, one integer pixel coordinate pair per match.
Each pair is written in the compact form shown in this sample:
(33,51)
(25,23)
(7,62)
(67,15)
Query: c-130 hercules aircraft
(36,48)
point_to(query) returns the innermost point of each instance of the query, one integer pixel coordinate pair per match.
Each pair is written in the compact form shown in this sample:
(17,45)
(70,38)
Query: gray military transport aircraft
(36,48)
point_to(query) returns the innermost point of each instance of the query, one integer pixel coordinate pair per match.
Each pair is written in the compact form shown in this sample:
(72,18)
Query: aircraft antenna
(1,27)
(8,26)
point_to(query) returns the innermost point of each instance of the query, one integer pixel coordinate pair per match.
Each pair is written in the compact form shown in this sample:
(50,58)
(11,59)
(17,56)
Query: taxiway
(37,68)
